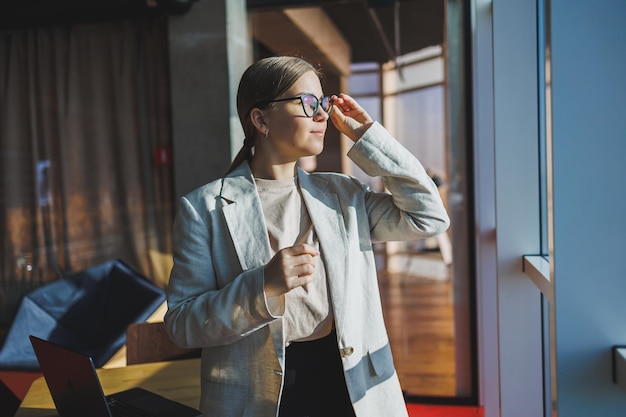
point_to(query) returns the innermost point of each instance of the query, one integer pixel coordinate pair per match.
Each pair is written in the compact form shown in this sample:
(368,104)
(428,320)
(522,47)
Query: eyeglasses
(310,103)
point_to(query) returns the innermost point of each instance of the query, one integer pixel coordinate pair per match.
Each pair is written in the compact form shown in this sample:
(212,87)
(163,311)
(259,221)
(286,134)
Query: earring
(267,132)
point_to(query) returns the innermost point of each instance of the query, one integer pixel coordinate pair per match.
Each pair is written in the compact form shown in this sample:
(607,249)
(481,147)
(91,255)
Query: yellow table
(178,380)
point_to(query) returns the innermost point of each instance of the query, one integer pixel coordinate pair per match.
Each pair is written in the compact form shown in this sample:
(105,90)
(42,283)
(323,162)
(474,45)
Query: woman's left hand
(349,117)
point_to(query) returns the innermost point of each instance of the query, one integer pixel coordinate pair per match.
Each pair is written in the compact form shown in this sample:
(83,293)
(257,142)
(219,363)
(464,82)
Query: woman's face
(292,134)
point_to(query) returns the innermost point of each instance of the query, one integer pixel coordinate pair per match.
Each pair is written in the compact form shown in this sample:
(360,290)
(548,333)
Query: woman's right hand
(290,268)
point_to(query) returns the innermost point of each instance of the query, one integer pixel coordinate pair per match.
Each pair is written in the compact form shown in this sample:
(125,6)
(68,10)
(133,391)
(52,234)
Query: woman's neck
(273,171)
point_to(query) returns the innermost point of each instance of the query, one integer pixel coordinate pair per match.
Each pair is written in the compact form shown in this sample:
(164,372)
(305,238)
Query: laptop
(77,392)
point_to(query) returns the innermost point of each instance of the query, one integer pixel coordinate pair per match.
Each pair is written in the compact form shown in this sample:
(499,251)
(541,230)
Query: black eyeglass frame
(301,98)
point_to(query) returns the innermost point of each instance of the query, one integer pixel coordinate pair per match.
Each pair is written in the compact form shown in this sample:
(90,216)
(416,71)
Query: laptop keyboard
(122,409)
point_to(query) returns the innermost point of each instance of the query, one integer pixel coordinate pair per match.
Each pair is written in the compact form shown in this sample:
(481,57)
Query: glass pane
(419,272)
(426,303)
(364,83)
(421,97)
(421,125)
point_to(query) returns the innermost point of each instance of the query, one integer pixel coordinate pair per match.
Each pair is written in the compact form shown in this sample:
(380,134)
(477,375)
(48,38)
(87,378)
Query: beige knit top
(308,312)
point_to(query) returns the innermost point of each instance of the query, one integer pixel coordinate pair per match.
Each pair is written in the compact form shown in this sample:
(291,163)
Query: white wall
(589,145)
(517,210)
(589,201)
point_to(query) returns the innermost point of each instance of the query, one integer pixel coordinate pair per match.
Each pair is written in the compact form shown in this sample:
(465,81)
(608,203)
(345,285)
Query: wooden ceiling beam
(306,32)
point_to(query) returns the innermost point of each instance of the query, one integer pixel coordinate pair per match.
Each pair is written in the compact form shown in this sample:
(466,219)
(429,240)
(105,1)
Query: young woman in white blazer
(274,273)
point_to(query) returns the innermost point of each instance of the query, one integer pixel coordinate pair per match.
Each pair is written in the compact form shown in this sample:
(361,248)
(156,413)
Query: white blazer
(215,294)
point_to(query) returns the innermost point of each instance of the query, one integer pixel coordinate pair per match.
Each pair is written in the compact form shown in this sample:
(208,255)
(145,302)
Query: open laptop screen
(71,379)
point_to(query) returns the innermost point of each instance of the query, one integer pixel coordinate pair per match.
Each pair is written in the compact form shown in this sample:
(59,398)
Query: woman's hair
(263,81)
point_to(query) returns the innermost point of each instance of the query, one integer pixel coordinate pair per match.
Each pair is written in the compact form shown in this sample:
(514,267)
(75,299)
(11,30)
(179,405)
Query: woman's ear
(258,120)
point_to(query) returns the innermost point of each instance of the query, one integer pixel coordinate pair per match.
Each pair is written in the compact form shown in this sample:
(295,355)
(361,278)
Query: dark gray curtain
(85,151)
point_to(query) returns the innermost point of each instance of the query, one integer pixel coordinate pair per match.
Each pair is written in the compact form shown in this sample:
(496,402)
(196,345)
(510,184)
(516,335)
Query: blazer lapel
(326,214)
(244,218)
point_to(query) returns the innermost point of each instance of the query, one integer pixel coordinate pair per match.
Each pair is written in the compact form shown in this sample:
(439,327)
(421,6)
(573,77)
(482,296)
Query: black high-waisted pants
(315,385)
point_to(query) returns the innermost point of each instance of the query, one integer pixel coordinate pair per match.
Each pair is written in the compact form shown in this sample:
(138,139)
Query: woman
(274,273)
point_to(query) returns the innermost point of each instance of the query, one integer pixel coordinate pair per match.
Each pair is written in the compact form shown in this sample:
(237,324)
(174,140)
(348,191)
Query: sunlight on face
(292,134)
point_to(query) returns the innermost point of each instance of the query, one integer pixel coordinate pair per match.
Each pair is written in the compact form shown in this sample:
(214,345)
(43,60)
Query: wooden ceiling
(375,30)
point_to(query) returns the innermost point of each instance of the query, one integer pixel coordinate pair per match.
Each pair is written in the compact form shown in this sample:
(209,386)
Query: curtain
(85,152)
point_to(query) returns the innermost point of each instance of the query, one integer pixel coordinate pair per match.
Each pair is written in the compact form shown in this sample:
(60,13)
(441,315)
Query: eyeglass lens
(310,104)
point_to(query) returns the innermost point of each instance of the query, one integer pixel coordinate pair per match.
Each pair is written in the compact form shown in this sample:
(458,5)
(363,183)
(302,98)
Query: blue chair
(88,312)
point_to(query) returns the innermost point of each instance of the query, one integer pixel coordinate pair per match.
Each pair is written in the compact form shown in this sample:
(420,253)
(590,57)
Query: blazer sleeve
(412,207)
(202,311)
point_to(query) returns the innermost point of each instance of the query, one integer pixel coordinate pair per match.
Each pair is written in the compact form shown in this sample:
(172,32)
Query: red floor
(18,381)
(419,410)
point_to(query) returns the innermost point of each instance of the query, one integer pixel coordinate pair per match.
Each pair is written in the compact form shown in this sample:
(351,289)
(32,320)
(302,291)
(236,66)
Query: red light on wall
(162,155)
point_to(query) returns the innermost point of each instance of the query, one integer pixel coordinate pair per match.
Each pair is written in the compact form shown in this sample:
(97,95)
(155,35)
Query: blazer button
(347,351)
